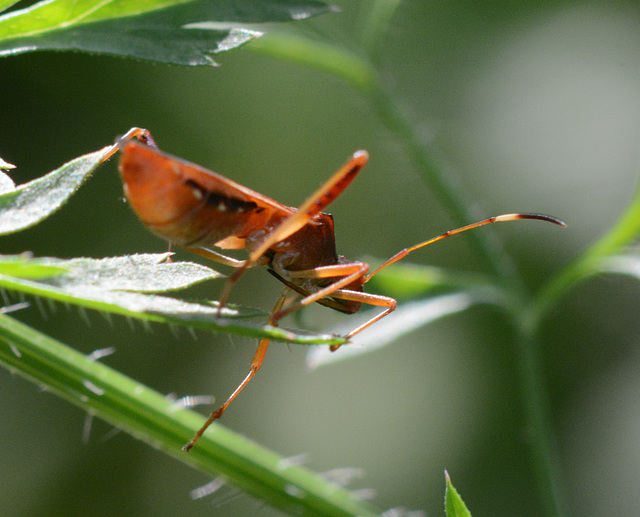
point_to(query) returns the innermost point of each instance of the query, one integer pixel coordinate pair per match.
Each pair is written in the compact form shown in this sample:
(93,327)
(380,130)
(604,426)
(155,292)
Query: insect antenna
(496,219)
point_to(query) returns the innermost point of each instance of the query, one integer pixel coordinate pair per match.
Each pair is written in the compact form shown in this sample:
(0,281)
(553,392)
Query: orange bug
(197,209)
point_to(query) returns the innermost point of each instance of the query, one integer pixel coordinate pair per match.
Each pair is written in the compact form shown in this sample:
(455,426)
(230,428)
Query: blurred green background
(536,106)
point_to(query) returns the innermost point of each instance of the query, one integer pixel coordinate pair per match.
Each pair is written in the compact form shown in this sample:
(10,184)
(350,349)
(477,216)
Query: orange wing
(191,206)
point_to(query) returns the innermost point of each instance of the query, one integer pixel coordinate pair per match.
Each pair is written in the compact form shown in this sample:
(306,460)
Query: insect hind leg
(256,363)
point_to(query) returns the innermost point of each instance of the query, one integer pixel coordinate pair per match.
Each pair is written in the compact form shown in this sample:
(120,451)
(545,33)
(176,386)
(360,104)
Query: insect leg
(370,299)
(348,272)
(256,363)
(217,257)
(322,197)
(319,200)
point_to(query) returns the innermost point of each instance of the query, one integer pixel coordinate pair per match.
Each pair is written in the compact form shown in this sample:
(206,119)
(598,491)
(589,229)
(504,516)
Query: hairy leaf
(158,421)
(123,285)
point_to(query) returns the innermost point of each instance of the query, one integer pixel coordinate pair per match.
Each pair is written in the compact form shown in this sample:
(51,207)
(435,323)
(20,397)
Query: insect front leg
(346,273)
(352,271)
(370,299)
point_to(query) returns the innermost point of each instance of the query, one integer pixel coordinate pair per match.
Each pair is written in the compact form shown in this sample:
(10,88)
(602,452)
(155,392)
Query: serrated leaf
(145,273)
(114,284)
(6,183)
(453,504)
(171,31)
(30,203)
(121,285)
(406,318)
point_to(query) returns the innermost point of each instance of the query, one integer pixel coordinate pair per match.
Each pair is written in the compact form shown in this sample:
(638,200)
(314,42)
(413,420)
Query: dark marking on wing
(223,203)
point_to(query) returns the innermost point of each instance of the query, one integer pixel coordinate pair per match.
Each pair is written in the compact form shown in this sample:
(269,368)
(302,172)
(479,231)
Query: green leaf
(406,318)
(144,273)
(623,233)
(24,266)
(6,183)
(621,265)
(185,32)
(30,203)
(121,285)
(159,422)
(453,504)
(407,280)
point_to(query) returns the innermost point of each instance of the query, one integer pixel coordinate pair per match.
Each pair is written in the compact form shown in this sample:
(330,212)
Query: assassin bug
(197,209)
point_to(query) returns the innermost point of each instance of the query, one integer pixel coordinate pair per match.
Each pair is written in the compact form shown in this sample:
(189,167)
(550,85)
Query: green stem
(526,312)
(379,15)
(531,373)
(440,180)
(317,54)
(447,190)
(153,419)
(546,464)
(538,423)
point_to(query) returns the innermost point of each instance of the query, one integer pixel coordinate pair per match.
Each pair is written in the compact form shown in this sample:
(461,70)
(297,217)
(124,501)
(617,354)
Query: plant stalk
(152,418)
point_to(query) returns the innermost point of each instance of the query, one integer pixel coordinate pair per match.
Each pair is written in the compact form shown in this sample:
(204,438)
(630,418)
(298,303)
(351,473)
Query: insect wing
(189,205)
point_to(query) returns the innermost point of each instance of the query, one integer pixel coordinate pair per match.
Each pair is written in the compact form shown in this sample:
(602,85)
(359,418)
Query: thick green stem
(155,420)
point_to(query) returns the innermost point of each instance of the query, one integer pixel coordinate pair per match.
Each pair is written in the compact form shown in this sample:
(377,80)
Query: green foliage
(188,33)
(162,423)
(117,285)
(28,204)
(453,504)
(184,32)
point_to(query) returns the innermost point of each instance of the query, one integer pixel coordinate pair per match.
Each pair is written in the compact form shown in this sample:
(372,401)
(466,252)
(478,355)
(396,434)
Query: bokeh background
(535,105)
